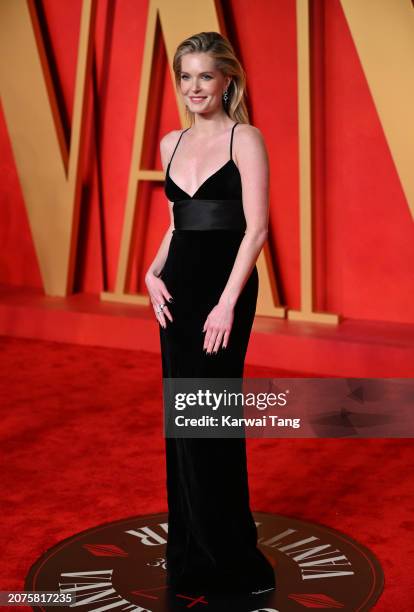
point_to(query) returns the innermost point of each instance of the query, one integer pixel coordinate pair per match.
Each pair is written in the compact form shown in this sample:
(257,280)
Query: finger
(166,295)
(226,338)
(157,306)
(159,316)
(218,341)
(165,311)
(165,298)
(161,320)
(207,338)
(212,341)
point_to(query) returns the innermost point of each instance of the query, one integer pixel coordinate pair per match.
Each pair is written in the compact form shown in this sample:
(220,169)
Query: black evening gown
(212,536)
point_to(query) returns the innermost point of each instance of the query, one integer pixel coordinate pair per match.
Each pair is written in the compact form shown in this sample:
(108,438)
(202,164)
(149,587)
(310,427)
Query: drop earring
(225,97)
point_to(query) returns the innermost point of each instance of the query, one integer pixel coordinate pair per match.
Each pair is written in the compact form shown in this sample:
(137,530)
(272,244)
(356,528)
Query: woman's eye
(204,76)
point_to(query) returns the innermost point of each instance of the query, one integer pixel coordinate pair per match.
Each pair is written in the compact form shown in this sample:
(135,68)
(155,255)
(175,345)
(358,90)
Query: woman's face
(202,86)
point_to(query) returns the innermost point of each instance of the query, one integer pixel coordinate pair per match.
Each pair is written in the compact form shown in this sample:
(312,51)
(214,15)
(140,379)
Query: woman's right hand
(159,294)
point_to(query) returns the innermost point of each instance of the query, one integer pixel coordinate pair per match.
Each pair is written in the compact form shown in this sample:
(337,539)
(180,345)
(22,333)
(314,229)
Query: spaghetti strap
(231,139)
(178,141)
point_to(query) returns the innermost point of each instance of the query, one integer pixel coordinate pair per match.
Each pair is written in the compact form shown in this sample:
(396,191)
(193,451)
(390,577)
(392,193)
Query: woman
(203,285)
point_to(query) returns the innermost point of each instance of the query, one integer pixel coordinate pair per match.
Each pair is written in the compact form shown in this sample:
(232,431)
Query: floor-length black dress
(212,536)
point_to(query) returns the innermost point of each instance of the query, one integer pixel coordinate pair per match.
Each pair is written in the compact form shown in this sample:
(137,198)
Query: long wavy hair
(226,61)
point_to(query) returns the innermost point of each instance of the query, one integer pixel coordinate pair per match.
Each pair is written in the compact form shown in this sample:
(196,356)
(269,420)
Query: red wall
(365,246)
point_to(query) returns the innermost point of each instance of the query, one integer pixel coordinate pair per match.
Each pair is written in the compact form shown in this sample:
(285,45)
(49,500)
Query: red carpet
(82,444)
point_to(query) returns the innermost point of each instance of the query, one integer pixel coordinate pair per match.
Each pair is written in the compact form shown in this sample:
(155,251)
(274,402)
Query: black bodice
(216,204)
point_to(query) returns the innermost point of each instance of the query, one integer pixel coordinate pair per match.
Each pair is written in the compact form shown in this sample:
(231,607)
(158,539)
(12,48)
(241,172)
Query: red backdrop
(365,246)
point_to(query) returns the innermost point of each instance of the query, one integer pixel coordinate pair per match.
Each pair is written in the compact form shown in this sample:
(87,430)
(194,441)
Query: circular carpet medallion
(120,566)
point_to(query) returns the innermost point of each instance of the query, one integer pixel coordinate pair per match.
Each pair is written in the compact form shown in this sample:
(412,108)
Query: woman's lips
(197,99)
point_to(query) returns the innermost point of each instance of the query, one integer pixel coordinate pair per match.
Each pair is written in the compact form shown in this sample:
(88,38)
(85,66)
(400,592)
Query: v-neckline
(191,197)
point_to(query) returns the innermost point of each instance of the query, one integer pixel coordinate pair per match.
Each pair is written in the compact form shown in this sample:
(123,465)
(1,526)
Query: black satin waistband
(196,214)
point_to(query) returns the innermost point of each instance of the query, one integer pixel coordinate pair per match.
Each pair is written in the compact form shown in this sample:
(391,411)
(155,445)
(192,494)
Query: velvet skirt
(212,536)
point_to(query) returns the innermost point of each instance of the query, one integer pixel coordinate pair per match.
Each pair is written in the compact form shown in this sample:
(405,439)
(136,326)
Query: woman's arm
(157,289)
(252,160)
(253,164)
(158,262)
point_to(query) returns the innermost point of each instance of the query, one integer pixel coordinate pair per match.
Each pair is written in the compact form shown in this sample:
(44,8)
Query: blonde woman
(203,285)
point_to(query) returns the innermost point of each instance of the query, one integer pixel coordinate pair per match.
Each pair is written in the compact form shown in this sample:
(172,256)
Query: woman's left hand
(218,327)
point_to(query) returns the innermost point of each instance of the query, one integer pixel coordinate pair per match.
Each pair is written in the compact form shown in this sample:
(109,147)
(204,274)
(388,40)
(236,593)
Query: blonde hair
(226,61)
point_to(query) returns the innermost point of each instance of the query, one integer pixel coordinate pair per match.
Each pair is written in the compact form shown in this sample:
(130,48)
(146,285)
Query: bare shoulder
(169,140)
(248,133)
(167,144)
(248,141)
